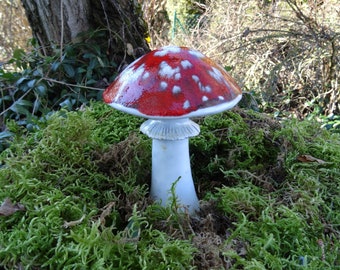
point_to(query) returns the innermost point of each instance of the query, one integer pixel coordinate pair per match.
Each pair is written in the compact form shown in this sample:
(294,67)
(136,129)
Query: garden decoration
(168,86)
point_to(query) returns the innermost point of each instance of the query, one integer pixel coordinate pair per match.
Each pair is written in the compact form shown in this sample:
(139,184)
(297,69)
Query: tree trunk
(61,21)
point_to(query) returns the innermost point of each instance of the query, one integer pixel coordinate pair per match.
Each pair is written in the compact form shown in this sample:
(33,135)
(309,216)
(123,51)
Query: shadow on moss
(238,145)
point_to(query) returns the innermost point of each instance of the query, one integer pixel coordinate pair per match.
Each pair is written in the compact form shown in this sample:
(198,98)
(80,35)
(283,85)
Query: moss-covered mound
(74,195)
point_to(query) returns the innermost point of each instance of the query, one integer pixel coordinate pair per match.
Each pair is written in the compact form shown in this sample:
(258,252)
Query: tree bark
(61,21)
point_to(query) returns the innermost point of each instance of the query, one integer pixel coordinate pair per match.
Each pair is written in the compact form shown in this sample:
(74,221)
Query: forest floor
(75,195)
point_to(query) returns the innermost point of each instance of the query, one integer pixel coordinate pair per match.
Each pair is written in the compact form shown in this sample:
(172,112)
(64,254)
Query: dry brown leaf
(7,208)
(309,158)
(107,209)
(68,224)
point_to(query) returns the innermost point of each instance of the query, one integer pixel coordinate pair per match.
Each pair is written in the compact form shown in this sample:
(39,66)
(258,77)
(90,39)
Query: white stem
(170,162)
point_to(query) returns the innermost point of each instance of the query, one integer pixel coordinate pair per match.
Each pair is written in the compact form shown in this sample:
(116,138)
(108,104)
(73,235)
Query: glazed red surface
(147,96)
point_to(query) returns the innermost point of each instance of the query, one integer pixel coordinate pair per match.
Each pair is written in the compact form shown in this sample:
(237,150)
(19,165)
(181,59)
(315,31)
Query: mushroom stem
(171,162)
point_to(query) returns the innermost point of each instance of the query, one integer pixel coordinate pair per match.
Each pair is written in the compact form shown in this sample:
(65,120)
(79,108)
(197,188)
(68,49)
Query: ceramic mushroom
(168,86)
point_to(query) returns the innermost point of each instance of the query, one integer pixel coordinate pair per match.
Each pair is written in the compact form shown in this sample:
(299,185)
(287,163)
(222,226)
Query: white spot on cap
(204,98)
(137,73)
(196,53)
(166,50)
(177,76)
(200,86)
(163,85)
(186,104)
(207,88)
(129,75)
(195,78)
(186,64)
(165,70)
(216,74)
(146,75)
(203,88)
(220,98)
(176,89)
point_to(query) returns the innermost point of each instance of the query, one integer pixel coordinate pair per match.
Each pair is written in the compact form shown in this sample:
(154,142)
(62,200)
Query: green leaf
(5,98)
(21,80)
(93,63)
(228,68)
(19,109)
(31,83)
(55,66)
(91,82)
(36,106)
(18,54)
(68,103)
(8,75)
(69,70)
(89,55)
(41,89)
(23,102)
(5,135)
(96,48)
(38,72)
(101,63)
(81,70)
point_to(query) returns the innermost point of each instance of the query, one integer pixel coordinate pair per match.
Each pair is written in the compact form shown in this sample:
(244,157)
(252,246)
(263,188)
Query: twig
(72,85)
(24,95)
(107,25)
(322,247)
(62,30)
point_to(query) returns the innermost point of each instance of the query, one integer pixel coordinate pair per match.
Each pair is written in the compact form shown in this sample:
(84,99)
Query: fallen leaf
(309,158)
(68,224)
(107,209)
(7,208)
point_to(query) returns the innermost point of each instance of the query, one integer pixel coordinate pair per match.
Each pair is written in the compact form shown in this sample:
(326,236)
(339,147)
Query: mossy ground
(83,179)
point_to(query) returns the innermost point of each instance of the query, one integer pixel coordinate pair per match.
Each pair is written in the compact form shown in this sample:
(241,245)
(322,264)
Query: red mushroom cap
(173,82)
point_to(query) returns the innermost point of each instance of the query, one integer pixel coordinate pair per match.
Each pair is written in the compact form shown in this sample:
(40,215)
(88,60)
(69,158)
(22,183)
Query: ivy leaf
(5,134)
(69,70)
(67,103)
(21,80)
(31,83)
(20,107)
(36,106)
(93,63)
(5,98)
(55,66)
(41,89)
(101,63)
(23,102)
(38,72)
(91,82)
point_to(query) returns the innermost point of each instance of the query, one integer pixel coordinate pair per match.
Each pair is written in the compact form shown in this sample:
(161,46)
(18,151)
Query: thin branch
(107,24)
(72,85)
(24,95)
(62,30)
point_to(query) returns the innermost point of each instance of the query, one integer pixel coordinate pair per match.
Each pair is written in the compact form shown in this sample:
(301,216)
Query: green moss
(242,200)
(112,126)
(83,178)
(294,225)
(233,144)
(69,170)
